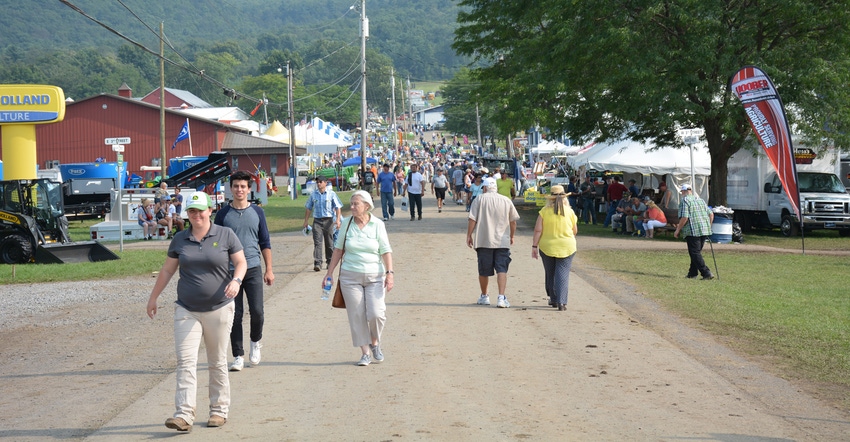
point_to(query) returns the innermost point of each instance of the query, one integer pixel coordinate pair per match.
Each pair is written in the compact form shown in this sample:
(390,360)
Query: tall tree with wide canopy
(642,69)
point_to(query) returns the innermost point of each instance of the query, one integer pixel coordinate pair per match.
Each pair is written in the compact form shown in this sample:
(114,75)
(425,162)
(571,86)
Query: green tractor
(34,229)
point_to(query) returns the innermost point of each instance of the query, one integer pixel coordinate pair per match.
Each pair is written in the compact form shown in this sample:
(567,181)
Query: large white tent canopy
(649,164)
(553,147)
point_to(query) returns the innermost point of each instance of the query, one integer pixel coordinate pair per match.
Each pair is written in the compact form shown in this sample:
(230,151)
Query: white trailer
(754,192)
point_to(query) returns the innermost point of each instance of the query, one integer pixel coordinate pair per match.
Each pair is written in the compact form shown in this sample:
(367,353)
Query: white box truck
(754,192)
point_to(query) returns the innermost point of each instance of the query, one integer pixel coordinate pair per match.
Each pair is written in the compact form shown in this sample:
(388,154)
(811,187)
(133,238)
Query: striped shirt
(323,205)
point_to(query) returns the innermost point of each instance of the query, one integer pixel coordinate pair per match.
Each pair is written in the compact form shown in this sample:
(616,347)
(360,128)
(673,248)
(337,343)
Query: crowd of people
(225,260)
(627,210)
(164,211)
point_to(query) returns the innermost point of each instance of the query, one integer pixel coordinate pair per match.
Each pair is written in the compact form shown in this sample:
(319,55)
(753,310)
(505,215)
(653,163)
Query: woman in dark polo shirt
(204,308)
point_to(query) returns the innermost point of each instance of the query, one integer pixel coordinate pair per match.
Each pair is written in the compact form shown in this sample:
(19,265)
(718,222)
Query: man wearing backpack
(367,179)
(414,187)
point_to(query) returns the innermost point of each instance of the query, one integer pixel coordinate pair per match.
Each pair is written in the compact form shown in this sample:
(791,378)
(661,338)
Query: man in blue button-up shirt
(325,207)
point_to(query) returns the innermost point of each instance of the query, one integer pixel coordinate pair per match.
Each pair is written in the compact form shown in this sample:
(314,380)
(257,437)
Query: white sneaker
(238,364)
(364,360)
(377,354)
(503,302)
(392,216)
(255,352)
(484,300)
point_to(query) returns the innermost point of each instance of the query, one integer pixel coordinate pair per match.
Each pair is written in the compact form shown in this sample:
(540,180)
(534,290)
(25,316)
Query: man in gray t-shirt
(249,223)
(457,181)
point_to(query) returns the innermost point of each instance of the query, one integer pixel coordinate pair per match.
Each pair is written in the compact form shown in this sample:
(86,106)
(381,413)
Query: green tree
(274,88)
(643,69)
(459,101)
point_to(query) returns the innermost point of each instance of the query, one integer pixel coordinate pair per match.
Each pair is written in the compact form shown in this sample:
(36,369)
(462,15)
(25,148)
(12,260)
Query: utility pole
(392,109)
(478,124)
(265,110)
(403,126)
(409,106)
(162,154)
(293,174)
(364,34)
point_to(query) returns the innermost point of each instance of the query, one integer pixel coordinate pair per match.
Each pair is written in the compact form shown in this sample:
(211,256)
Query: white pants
(365,305)
(652,224)
(214,328)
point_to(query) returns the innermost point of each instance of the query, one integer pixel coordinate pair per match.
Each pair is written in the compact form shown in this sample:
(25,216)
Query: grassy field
(429,86)
(790,310)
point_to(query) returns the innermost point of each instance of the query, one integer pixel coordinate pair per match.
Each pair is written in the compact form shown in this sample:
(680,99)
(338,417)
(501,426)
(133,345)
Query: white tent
(554,148)
(649,165)
(320,132)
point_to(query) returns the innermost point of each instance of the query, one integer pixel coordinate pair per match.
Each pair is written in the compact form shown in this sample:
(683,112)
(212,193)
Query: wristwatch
(389,271)
(238,280)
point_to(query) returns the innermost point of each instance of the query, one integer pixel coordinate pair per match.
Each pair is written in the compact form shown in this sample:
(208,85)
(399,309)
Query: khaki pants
(189,329)
(365,305)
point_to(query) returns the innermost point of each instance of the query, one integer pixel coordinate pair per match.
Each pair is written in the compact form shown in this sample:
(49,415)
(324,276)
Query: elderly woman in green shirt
(366,275)
(554,241)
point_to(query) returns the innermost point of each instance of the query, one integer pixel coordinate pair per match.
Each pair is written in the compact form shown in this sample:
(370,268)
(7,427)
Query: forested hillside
(240,45)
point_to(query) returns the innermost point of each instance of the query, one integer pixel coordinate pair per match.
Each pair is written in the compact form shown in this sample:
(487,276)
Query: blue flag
(184,133)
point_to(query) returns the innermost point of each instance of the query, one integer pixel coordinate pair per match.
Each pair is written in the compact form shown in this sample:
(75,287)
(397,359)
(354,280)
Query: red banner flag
(767,117)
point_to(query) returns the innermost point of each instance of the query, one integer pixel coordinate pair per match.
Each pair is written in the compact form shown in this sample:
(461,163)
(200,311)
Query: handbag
(338,301)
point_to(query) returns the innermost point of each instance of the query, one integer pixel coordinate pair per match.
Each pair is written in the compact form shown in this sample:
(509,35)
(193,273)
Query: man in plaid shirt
(695,220)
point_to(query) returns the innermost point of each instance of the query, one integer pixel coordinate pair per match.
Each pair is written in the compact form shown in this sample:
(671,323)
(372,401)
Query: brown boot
(178,423)
(216,421)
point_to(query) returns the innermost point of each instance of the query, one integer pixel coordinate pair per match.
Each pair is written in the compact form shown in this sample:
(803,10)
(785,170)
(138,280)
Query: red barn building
(79,138)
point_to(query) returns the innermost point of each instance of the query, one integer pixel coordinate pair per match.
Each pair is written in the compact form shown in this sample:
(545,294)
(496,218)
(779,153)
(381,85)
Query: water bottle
(326,288)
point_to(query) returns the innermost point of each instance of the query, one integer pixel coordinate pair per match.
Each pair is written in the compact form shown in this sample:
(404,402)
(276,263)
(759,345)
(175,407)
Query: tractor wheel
(15,249)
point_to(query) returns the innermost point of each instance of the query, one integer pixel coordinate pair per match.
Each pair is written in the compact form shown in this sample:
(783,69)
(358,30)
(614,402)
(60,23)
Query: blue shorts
(492,261)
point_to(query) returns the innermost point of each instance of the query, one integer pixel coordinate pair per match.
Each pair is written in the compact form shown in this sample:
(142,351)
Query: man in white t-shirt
(414,186)
(490,231)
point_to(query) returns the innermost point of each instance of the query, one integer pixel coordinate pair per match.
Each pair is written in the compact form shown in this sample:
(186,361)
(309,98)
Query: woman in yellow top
(555,242)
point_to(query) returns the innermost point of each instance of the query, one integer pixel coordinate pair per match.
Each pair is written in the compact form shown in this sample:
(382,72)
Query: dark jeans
(387,201)
(252,289)
(695,245)
(415,201)
(612,209)
(588,212)
(557,272)
(323,230)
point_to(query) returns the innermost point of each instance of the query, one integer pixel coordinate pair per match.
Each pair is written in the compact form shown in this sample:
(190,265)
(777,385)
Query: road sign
(122,140)
(118,148)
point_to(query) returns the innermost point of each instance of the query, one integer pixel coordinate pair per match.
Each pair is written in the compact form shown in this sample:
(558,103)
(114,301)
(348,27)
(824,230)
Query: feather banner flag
(766,114)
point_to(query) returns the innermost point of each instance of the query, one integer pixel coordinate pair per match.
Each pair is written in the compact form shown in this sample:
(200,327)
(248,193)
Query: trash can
(308,188)
(721,228)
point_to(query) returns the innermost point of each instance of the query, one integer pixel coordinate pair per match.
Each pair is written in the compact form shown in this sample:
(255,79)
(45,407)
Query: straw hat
(557,189)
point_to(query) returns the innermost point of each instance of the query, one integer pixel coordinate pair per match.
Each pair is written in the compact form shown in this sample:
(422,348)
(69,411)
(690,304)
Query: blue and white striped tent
(320,132)
(332,130)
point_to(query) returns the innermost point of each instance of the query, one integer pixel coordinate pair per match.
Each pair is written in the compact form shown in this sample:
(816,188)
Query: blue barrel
(721,229)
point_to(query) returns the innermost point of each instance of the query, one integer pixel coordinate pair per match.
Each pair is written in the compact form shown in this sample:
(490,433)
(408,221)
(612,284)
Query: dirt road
(609,368)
